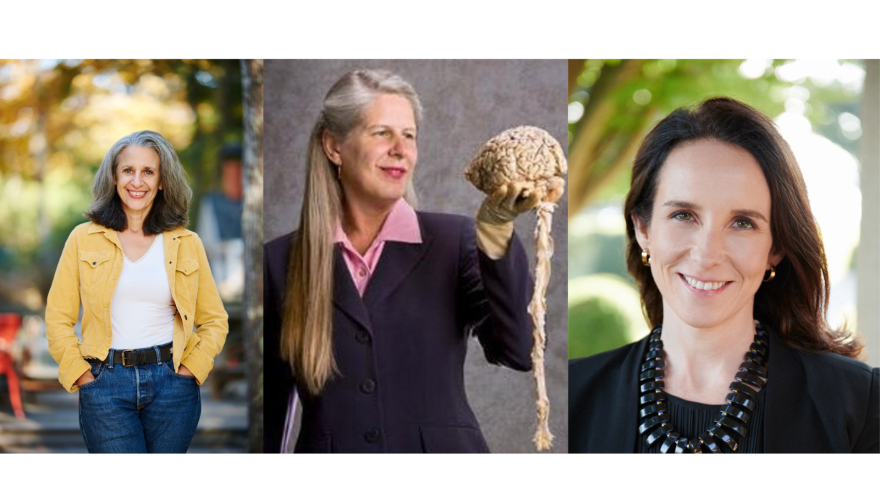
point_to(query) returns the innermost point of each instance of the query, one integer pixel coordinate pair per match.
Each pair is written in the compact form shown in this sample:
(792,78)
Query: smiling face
(137,179)
(378,156)
(709,236)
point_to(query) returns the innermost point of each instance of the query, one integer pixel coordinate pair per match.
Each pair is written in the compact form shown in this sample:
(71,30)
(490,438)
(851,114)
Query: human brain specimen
(532,159)
(526,155)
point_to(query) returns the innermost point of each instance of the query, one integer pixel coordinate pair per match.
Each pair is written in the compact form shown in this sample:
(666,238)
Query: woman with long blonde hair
(369,305)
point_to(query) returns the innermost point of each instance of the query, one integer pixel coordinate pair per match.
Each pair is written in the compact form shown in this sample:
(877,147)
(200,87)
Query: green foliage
(604,313)
(624,99)
(59,117)
(595,326)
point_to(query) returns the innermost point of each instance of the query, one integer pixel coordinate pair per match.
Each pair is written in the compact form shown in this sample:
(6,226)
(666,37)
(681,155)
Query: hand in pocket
(85,378)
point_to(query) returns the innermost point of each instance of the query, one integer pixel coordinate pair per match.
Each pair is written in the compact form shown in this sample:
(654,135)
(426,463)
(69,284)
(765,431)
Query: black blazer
(401,349)
(816,402)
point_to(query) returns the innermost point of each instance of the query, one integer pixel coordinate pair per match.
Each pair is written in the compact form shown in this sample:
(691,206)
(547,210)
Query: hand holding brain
(521,169)
(524,160)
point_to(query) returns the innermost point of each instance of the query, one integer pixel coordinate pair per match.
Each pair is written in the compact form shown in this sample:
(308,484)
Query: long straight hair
(307,328)
(795,302)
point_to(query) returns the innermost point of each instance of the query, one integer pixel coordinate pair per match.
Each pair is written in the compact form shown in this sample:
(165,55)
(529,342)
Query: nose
(137,180)
(398,146)
(708,249)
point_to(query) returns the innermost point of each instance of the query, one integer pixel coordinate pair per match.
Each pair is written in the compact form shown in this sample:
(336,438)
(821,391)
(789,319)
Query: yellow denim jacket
(88,272)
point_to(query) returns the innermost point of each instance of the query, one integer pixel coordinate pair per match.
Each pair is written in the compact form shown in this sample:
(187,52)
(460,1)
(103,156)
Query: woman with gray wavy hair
(369,305)
(152,318)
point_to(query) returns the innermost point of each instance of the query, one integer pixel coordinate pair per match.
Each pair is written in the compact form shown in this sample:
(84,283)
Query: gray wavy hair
(170,208)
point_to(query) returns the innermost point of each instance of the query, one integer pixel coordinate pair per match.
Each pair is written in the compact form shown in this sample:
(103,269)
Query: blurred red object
(9,325)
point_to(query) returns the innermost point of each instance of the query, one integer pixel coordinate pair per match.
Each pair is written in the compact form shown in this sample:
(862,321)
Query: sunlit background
(58,118)
(614,103)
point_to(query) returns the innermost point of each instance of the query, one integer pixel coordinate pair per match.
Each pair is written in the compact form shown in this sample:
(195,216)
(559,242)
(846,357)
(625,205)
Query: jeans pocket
(97,370)
(170,367)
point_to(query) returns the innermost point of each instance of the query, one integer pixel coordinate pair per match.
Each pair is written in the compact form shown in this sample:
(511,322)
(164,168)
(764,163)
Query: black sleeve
(495,295)
(869,441)
(278,382)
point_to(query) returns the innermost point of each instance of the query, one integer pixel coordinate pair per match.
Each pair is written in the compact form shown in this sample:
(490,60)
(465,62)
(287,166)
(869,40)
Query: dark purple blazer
(401,348)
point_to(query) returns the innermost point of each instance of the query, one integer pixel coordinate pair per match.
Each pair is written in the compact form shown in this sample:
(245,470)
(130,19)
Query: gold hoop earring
(772,274)
(646,258)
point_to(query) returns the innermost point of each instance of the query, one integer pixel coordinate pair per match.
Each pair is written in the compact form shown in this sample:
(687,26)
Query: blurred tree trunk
(575,67)
(252,224)
(39,147)
(868,261)
(602,146)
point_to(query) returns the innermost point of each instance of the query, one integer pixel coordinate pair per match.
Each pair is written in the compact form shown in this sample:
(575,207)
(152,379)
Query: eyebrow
(750,213)
(123,166)
(745,213)
(374,126)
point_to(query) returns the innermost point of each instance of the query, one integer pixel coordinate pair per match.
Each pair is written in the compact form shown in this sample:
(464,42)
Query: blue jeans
(138,409)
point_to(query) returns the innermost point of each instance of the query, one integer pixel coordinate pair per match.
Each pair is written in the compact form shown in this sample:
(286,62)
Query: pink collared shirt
(401,225)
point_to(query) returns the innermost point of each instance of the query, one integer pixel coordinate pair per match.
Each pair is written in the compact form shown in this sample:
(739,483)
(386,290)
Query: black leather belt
(136,357)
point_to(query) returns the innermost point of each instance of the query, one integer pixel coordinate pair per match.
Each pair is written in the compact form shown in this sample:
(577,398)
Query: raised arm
(495,293)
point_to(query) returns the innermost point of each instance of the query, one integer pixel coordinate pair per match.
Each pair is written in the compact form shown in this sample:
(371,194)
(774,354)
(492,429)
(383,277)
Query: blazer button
(368,386)
(362,337)
(372,435)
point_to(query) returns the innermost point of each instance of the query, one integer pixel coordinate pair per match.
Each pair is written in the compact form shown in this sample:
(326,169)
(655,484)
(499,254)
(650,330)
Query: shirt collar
(175,232)
(401,225)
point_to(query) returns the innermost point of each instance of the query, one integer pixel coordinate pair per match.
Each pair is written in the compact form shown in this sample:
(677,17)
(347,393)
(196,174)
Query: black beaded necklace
(655,423)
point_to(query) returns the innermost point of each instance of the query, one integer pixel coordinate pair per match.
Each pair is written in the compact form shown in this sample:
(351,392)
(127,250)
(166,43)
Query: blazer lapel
(345,294)
(788,426)
(397,262)
(626,417)
(776,393)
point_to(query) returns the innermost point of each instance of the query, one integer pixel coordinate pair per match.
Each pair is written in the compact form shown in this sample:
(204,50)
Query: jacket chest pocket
(94,270)
(187,278)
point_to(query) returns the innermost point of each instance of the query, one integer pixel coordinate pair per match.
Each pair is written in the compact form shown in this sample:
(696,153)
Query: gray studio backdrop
(465,104)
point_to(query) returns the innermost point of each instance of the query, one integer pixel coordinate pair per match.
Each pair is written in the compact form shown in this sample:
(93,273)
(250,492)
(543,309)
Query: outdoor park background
(58,118)
(823,109)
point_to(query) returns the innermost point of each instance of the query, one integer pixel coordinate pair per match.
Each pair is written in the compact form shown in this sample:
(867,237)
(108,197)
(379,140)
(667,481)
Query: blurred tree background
(57,120)
(613,104)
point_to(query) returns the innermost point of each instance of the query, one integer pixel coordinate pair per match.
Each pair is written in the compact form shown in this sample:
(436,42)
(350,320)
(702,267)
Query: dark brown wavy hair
(795,302)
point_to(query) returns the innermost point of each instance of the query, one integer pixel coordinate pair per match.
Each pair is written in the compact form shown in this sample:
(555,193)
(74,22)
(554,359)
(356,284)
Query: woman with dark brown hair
(733,278)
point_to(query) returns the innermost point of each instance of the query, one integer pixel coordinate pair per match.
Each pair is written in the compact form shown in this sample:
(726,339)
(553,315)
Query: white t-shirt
(142,310)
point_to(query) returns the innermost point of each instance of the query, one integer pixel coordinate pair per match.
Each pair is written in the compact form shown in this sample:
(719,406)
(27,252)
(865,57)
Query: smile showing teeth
(696,284)
(137,194)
